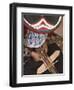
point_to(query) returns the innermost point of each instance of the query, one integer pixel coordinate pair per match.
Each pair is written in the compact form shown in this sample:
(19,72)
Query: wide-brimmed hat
(42,23)
(38,27)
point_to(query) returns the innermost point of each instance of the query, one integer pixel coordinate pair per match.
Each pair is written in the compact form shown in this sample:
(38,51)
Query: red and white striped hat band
(42,26)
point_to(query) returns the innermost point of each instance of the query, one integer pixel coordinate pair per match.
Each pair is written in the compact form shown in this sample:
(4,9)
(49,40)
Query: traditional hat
(39,27)
(42,24)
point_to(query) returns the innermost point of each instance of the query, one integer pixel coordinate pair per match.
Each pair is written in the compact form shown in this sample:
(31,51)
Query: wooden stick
(52,58)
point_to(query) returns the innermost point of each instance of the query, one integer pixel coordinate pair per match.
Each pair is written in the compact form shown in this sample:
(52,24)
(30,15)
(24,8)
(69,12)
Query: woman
(41,56)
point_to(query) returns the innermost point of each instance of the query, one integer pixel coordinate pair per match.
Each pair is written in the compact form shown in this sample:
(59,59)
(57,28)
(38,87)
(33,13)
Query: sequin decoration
(35,40)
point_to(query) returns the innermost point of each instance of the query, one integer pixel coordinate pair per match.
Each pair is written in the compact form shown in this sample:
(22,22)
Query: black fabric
(34,18)
(31,65)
